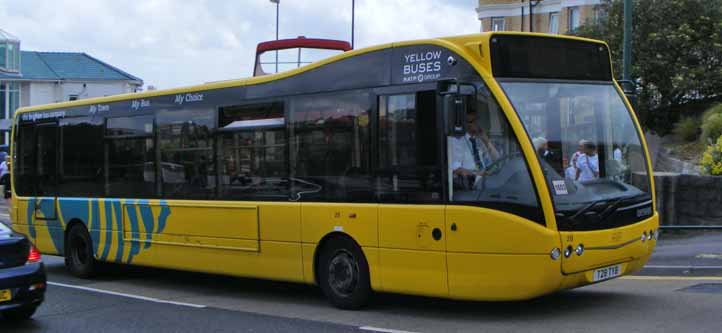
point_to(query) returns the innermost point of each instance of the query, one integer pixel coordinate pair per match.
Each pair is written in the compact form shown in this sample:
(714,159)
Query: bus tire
(79,259)
(343,274)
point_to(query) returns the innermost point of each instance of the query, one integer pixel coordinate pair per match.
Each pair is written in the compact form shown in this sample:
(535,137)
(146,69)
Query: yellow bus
(493,166)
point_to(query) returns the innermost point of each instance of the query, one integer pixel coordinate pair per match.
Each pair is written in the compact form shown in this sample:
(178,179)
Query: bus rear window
(549,58)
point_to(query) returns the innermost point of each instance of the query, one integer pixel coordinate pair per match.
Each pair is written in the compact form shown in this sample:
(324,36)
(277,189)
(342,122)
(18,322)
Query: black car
(22,275)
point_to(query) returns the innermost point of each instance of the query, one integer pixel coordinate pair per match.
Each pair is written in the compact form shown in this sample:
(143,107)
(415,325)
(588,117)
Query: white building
(33,78)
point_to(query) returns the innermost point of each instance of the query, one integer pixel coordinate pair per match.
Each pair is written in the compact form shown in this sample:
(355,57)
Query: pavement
(687,253)
(75,310)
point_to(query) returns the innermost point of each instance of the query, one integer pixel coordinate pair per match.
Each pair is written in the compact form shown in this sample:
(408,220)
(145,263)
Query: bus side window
(81,167)
(486,165)
(330,147)
(409,169)
(253,152)
(24,167)
(130,157)
(186,153)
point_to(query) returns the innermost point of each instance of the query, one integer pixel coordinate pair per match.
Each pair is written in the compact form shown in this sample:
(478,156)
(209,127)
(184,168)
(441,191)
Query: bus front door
(44,205)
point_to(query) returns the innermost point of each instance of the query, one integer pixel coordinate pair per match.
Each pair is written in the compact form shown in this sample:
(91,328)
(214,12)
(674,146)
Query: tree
(676,57)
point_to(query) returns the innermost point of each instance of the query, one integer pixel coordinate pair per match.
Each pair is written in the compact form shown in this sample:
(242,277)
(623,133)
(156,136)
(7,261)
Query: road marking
(672,278)
(144,298)
(682,267)
(384,330)
(709,256)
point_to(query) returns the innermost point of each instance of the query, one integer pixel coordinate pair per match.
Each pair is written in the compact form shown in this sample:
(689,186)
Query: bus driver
(469,155)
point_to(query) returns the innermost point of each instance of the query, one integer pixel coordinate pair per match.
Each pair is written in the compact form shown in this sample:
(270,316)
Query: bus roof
(466,46)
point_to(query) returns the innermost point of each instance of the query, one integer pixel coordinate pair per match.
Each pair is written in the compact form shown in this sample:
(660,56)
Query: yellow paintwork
(223,224)
(605,247)
(481,276)
(414,272)
(412,261)
(321,219)
(490,255)
(482,230)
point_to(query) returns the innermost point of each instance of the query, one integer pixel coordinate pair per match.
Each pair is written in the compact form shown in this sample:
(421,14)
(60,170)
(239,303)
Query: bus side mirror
(455,111)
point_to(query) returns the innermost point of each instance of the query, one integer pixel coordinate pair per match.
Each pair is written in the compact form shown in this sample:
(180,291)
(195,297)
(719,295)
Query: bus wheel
(343,274)
(79,258)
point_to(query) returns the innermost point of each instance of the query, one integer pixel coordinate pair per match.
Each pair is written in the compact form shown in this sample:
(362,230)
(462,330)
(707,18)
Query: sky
(173,43)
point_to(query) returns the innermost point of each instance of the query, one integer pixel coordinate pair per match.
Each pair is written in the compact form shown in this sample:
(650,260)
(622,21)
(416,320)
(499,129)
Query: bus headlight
(556,253)
(656,234)
(580,249)
(644,236)
(568,252)
(649,236)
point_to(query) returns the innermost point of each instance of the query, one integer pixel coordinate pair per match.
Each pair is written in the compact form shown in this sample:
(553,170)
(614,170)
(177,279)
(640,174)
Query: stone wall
(688,199)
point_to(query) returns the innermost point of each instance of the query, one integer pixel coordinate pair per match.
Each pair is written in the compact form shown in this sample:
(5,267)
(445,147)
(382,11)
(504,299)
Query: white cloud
(171,43)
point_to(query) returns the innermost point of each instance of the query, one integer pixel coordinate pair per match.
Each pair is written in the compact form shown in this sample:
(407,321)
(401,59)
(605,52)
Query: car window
(4,230)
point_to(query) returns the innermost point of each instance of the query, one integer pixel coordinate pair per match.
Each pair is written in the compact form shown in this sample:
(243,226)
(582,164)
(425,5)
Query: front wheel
(79,259)
(19,314)
(344,274)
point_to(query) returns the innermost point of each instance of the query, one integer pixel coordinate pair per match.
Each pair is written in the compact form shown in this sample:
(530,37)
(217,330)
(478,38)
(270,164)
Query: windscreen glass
(589,149)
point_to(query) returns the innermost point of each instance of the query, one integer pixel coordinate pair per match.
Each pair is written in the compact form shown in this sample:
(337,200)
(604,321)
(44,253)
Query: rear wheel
(79,259)
(18,314)
(343,274)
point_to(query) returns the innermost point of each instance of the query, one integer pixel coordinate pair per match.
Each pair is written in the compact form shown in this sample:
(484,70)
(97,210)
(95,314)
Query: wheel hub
(343,273)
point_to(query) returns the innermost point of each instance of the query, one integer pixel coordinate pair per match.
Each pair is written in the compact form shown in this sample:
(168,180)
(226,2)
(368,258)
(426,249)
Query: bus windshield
(589,149)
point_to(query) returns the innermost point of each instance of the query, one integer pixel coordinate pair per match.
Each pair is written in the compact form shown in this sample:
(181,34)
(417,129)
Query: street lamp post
(532,4)
(278,3)
(627,45)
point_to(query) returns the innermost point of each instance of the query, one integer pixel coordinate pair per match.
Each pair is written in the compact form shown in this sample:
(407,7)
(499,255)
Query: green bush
(712,159)
(712,124)
(687,128)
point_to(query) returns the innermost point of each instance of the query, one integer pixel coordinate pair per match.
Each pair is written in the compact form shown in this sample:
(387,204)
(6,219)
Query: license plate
(5,295)
(607,273)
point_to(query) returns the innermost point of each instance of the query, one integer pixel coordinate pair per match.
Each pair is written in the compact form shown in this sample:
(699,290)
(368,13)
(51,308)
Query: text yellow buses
(493,166)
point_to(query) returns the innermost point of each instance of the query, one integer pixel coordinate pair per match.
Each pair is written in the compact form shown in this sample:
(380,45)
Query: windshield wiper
(607,212)
(586,208)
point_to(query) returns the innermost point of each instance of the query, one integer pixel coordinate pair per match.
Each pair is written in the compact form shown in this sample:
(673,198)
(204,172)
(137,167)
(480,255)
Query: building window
(574,19)
(599,14)
(3,56)
(497,24)
(554,23)
(9,102)
(9,57)
(3,100)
